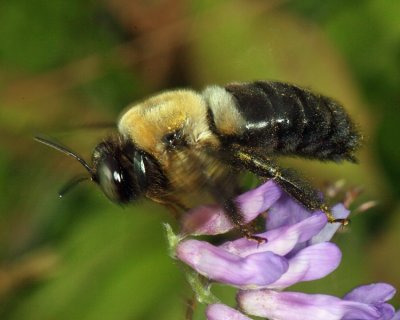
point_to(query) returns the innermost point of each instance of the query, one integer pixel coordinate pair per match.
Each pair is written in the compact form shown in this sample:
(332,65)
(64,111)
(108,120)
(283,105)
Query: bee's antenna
(67,152)
(72,183)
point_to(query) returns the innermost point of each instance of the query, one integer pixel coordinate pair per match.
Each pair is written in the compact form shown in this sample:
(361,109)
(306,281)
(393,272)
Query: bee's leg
(174,206)
(289,180)
(223,189)
(303,192)
(224,194)
(234,213)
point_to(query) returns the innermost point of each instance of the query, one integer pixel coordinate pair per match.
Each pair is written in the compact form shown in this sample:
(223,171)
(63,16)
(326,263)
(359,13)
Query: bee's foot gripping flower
(297,250)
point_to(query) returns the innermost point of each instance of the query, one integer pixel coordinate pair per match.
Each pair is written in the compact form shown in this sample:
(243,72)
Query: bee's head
(123,172)
(120,170)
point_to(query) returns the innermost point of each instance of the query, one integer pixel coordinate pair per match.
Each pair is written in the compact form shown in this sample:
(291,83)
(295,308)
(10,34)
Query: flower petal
(211,219)
(281,240)
(396,316)
(359,311)
(374,293)
(254,271)
(339,212)
(311,263)
(387,311)
(222,312)
(299,306)
(258,200)
(206,220)
(285,212)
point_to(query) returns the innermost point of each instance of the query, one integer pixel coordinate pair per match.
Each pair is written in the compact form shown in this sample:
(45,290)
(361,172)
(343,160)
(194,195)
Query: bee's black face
(120,171)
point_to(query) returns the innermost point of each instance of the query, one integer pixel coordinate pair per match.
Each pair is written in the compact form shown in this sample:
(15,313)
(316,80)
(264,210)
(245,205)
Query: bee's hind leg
(290,181)
(301,190)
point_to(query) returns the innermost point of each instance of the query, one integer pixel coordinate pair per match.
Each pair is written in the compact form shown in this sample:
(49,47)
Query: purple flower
(211,219)
(220,311)
(365,302)
(296,250)
(286,258)
(256,270)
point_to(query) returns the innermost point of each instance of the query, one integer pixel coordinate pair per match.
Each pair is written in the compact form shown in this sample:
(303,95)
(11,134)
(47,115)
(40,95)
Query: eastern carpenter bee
(177,143)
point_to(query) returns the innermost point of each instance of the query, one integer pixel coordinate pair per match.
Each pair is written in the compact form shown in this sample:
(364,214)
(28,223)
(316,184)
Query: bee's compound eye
(114,181)
(106,173)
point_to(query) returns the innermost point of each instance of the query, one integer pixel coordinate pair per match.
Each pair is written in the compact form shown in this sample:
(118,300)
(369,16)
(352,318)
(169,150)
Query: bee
(176,144)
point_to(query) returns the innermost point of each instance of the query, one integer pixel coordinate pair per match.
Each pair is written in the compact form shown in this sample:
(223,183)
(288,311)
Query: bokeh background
(65,65)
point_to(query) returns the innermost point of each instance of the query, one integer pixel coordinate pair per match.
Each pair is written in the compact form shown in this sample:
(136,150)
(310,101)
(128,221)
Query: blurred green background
(67,64)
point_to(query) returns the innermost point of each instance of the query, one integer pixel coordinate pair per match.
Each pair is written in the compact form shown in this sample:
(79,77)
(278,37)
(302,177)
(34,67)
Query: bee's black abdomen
(287,120)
